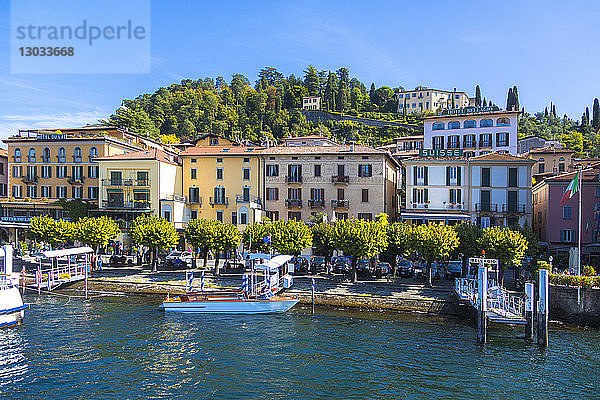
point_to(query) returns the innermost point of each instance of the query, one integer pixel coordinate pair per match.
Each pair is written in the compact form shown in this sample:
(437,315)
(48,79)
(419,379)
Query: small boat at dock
(12,309)
(227,302)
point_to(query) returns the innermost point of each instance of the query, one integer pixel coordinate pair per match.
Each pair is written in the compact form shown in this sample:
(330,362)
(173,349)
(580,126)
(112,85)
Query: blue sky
(549,49)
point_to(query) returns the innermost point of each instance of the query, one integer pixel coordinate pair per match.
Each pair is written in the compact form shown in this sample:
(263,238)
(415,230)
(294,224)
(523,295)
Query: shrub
(588,270)
(574,280)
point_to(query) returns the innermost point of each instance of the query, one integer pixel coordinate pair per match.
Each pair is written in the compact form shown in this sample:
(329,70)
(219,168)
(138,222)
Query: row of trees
(94,232)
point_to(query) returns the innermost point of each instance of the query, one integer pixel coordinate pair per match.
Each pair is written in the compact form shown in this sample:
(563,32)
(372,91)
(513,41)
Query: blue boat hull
(231,307)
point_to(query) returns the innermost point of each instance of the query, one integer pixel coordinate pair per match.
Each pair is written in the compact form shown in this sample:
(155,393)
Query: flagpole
(579,240)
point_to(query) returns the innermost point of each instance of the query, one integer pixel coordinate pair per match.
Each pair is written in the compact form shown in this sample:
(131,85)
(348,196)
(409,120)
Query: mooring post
(482,304)
(312,291)
(542,335)
(529,301)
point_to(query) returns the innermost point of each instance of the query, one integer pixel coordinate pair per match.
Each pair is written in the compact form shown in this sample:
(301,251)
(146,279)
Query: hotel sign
(51,136)
(440,153)
(469,110)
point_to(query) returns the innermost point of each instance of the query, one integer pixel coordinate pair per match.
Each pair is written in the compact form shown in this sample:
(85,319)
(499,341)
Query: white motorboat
(12,309)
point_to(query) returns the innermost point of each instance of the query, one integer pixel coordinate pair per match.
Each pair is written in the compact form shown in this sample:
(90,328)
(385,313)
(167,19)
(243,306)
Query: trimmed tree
(506,245)
(253,237)
(468,242)
(359,238)
(398,237)
(322,238)
(290,237)
(201,233)
(97,232)
(227,238)
(432,243)
(55,233)
(155,233)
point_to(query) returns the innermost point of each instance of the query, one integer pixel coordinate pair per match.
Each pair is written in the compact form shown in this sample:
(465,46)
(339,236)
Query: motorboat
(12,309)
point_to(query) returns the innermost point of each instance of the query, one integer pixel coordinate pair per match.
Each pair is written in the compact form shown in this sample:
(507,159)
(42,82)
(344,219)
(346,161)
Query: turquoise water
(124,347)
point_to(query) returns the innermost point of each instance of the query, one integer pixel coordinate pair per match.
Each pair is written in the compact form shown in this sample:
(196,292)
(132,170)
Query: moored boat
(12,309)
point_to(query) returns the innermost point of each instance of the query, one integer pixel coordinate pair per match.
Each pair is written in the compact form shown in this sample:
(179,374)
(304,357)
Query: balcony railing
(293,203)
(316,203)
(223,201)
(137,204)
(339,203)
(78,180)
(30,179)
(511,208)
(469,145)
(17,159)
(503,143)
(125,182)
(176,197)
(196,200)
(340,179)
(241,199)
(31,159)
(62,159)
(293,179)
(420,205)
(485,143)
(45,159)
(454,206)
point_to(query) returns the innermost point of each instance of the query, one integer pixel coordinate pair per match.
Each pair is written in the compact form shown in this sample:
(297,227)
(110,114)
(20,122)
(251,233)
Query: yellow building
(223,183)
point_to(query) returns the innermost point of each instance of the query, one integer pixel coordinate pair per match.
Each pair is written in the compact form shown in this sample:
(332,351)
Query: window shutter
(359,170)
(276,194)
(425,175)
(448,176)
(415,175)
(458,195)
(458,176)
(414,197)
(73,172)
(426,195)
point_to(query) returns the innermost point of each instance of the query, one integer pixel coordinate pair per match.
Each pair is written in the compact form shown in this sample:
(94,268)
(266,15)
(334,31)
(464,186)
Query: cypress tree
(509,99)
(587,115)
(596,114)
(515,103)
(484,102)
(546,112)
(477,96)
(554,111)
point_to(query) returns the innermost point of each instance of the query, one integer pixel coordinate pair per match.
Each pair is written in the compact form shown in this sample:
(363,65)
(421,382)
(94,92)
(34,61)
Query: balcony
(485,143)
(340,204)
(420,205)
(221,201)
(30,179)
(136,205)
(253,201)
(78,180)
(469,145)
(61,159)
(126,182)
(316,203)
(17,159)
(178,198)
(293,203)
(502,208)
(340,179)
(293,179)
(453,206)
(196,200)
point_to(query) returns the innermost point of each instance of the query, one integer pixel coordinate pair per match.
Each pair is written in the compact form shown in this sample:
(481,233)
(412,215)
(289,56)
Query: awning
(65,252)
(274,263)
(409,215)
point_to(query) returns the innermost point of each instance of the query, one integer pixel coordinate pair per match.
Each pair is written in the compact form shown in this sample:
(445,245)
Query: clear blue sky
(549,49)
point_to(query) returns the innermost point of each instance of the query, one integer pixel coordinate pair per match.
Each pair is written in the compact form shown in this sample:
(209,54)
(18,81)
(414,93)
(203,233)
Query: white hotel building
(475,130)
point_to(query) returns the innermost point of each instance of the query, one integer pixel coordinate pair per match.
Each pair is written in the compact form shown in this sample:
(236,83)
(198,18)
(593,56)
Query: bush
(588,270)
(574,280)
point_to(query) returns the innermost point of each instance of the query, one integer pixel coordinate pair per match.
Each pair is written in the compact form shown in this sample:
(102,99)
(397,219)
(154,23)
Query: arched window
(486,123)
(453,125)
(541,160)
(93,152)
(46,155)
(62,155)
(31,155)
(470,124)
(502,122)
(438,126)
(17,155)
(77,154)
(561,159)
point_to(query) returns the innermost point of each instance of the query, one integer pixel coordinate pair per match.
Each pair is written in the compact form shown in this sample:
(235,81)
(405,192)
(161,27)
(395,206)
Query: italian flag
(571,189)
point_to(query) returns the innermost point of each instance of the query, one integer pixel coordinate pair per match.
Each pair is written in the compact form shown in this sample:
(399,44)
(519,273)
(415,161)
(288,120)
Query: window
(470,124)
(219,173)
(453,176)
(219,195)
(93,171)
(77,154)
(220,215)
(512,177)
(193,173)
(61,192)
(93,153)
(194,195)
(295,173)
(62,155)
(17,155)
(246,193)
(234,218)
(317,170)
(365,195)
(469,141)
(46,172)
(486,204)
(340,194)
(485,140)
(17,171)
(46,191)
(486,123)
(561,164)
(485,177)
(77,172)
(1,168)
(31,155)
(567,235)
(272,194)
(214,141)
(32,172)
(246,159)
(420,175)
(485,222)
(32,191)
(294,194)
(46,156)
(246,174)
(61,171)
(17,191)
(438,126)
(501,139)
(297,215)
(272,170)
(167,215)
(438,142)
(502,122)
(567,212)
(77,192)
(539,216)
(194,214)
(244,218)
(513,201)
(420,196)
(317,194)
(365,170)
(273,215)
(219,160)
(453,142)
(193,161)
(93,192)
(341,215)
(455,196)
(597,191)
(541,166)
(453,125)
(367,216)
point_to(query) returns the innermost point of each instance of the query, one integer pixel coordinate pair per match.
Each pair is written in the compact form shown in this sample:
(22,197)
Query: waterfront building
(208,139)
(223,183)
(488,190)
(3,173)
(146,182)
(557,225)
(424,99)
(528,143)
(350,181)
(311,103)
(550,160)
(475,130)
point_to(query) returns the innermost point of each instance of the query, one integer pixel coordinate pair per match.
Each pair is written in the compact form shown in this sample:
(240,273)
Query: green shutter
(415,175)
(458,176)
(448,176)
(425,176)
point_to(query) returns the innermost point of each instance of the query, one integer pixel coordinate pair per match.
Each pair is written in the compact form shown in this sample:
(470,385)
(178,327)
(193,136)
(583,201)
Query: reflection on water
(127,348)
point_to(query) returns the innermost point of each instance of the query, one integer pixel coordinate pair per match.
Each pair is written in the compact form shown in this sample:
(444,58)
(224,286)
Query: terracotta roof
(221,150)
(151,154)
(550,149)
(3,153)
(331,149)
(472,114)
(590,174)
(501,157)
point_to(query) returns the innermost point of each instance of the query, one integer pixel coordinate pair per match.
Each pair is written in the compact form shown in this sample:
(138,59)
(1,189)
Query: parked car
(421,267)
(454,269)
(342,265)
(382,269)
(364,267)
(317,264)
(234,265)
(405,268)
(179,259)
(300,265)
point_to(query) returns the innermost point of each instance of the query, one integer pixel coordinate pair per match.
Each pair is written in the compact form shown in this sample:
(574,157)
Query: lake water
(125,347)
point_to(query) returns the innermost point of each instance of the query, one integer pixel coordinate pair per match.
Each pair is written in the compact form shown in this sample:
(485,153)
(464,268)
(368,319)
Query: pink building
(557,225)
(3,172)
